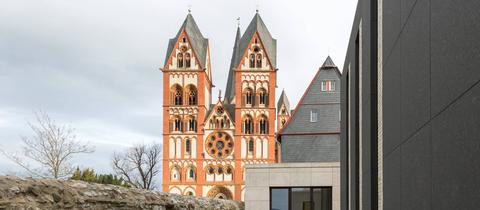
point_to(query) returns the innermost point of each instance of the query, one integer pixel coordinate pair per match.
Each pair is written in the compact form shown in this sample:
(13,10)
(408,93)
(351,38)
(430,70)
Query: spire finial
(257,8)
(238,21)
(219,95)
(189,9)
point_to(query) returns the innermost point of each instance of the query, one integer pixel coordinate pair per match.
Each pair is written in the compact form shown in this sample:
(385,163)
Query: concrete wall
(259,179)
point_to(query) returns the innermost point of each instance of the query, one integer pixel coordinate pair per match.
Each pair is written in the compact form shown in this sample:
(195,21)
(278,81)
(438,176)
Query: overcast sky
(94,63)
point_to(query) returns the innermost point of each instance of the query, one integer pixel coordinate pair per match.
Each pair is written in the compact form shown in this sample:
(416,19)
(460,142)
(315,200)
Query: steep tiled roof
(198,42)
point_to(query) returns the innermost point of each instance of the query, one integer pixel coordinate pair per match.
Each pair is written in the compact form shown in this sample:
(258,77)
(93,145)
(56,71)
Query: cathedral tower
(207,145)
(187,85)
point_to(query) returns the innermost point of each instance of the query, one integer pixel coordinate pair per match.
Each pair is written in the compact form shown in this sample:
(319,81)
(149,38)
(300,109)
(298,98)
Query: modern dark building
(312,132)
(410,128)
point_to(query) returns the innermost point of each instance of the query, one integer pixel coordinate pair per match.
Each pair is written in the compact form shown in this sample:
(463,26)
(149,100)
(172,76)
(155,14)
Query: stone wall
(39,194)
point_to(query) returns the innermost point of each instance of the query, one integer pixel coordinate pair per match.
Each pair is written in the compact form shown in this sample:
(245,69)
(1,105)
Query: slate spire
(230,90)
(197,40)
(283,100)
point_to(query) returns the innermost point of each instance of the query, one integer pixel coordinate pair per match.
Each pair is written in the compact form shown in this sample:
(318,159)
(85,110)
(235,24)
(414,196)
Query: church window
(262,96)
(188,146)
(177,124)
(187,60)
(283,111)
(180,60)
(252,61)
(192,95)
(283,122)
(259,61)
(263,125)
(247,125)
(248,96)
(250,146)
(184,40)
(192,124)
(175,174)
(177,95)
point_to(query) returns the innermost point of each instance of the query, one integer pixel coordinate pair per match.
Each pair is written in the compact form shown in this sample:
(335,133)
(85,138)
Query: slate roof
(311,148)
(327,105)
(241,45)
(230,90)
(283,100)
(198,42)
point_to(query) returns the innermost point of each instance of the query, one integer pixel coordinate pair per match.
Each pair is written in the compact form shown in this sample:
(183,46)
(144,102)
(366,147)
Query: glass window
(301,199)
(313,115)
(279,199)
(322,198)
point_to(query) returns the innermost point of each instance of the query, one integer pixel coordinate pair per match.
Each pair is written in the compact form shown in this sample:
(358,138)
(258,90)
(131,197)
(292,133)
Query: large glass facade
(301,198)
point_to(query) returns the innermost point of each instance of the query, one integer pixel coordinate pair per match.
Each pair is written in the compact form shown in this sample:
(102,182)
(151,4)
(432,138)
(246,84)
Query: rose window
(219,145)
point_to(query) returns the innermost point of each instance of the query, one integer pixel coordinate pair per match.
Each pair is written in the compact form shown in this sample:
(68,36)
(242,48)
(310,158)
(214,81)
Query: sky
(94,64)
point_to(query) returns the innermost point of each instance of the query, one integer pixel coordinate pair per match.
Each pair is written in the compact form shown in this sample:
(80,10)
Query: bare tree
(51,147)
(139,165)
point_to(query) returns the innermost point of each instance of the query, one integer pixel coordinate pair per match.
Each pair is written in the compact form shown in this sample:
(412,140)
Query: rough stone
(42,194)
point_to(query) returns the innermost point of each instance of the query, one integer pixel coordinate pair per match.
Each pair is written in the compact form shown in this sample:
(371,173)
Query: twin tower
(208,143)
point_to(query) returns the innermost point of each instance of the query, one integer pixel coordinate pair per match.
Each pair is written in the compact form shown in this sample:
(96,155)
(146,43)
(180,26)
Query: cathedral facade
(207,143)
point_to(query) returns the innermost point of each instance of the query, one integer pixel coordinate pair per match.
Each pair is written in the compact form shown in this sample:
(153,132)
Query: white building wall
(260,177)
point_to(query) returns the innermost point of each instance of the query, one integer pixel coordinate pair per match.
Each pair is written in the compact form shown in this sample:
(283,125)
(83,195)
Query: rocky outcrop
(39,194)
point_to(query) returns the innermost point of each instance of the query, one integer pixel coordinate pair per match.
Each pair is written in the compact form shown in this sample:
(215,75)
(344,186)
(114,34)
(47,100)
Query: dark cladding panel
(455,49)
(415,67)
(416,171)
(456,154)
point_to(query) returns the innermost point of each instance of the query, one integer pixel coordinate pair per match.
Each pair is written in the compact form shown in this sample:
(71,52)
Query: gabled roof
(283,100)
(195,37)
(327,66)
(229,109)
(230,90)
(269,43)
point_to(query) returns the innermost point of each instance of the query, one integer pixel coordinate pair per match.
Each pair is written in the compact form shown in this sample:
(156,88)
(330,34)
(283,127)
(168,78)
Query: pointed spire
(269,43)
(198,41)
(230,90)
(219,95)
(283,100)
(328,63)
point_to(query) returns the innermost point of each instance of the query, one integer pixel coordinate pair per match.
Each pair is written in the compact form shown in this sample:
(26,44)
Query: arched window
(283,111)
(177,124)
(191,173)
(263,125)
(283,122)
(250,146)
(187,60)
(190,193)
(180,60)
(262,96)
(175,174)
(192,124)
(259,61)
(252,61)
(247,125)
(176,95)
(192,95)
(188,146)
(248,96)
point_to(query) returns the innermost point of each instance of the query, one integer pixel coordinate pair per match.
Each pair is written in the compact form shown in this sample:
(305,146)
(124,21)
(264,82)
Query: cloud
(94,64)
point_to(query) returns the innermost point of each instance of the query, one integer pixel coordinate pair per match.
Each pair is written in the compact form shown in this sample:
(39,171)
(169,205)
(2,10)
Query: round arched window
(219,144)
